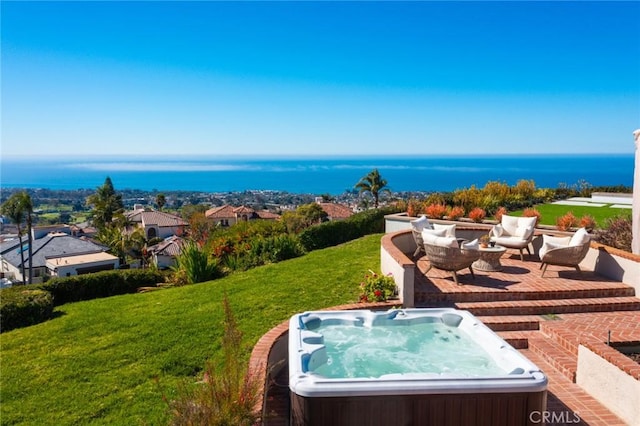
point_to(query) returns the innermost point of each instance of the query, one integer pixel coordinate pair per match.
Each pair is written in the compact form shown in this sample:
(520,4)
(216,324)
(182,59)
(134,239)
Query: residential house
(164,254)
(228,215)
(49,248)
(336,211)
(156,224)
(82,263)
(40,231)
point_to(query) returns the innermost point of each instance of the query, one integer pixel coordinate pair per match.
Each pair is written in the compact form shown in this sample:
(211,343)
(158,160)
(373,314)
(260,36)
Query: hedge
(332,233)
(20,307)
(100,284)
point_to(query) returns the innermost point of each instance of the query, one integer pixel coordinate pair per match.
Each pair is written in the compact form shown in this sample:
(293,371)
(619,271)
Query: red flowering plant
(377,288)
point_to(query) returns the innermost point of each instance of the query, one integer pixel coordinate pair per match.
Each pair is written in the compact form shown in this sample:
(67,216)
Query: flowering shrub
(477,214)
(498,215)
(566,222)
(456,213)
(532,212)
(436,211)
(377,288)
(587,221)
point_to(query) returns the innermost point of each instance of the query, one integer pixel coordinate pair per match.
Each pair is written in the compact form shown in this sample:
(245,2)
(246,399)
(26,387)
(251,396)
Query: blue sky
(330,78)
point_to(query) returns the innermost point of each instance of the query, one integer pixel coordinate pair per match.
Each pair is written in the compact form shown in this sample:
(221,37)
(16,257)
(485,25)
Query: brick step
(511,322)
(555,355)
(584,290)
(517,339)
(561,306)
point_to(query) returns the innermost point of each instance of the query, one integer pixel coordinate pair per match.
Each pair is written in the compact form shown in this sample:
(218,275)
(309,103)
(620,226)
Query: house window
(151,233)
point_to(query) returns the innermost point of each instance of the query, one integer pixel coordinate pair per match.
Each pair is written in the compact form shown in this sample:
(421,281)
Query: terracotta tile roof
(244,210)
(266,214)
(220,212)
(336,211)
(153,217)
(169,247)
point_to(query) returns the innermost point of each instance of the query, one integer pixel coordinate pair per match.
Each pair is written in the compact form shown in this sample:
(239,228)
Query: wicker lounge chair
(450,259)
(514,232)
(564,252)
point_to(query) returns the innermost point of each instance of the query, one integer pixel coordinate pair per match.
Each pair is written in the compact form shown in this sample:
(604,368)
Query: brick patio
(545,318)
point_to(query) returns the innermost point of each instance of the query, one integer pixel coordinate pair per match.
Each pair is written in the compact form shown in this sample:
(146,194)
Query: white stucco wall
(403,275)
(614,388)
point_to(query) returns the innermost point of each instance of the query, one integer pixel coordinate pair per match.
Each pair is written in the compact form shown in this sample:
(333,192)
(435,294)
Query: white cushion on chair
(420,223)
(450,230)
(432,232)
(550,242)
(431,238)
(562,241)
(524,232)
(497,230)
(509,224)
(471,245)
(546,246)
(580,237)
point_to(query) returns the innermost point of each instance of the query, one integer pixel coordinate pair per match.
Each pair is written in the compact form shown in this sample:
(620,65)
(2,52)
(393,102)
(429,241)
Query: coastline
(317,175)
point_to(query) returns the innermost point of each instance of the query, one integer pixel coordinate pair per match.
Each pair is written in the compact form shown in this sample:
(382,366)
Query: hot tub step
(555,355)
(511,322)
(560,306)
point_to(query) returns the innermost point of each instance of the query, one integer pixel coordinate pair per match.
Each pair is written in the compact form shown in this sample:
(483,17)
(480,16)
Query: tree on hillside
(19,208)
(106,204)
(373,184)
(161,200)
(303,217)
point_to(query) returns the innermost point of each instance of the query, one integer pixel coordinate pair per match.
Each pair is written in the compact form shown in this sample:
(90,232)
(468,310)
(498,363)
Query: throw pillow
(431,232)
(420,223)
(548,246)
(497,230)
(509,224)
(450,230)
(580,237)
(524,232)
(435,240)
(562,241)
(471,245)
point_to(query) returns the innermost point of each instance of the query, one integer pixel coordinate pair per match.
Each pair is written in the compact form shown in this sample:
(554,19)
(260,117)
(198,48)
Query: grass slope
(551,212)
(109,361)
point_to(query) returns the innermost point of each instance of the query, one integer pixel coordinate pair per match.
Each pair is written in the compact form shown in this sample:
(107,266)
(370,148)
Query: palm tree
(13,209)
(374,184)
(19,207)
(106,204)
(161,200)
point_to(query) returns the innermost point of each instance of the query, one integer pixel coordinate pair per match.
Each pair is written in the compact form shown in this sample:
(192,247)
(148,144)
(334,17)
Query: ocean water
(333,175)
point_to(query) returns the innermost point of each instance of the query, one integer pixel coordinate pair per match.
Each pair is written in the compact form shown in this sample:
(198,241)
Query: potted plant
(484,240)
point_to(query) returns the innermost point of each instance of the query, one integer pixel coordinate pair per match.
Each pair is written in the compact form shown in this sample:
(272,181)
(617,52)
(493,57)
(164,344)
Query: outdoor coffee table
(489,260)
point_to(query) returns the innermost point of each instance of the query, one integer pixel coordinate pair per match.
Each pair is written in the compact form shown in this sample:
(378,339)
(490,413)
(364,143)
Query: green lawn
(97,361)
(550,212)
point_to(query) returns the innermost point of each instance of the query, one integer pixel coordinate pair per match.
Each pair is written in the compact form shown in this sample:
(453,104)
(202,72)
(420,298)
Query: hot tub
(407,367)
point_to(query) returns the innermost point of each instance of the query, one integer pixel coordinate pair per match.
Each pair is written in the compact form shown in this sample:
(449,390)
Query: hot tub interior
(341,361)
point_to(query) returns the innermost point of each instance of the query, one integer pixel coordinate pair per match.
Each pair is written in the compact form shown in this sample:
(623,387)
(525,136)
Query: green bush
(332,233)
(100,284)
(21,306)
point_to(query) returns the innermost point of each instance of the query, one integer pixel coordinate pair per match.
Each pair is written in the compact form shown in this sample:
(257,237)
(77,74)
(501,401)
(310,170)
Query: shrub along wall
(332,233)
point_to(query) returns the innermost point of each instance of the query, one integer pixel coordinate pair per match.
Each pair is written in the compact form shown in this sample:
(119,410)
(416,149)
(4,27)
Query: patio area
(550,320)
